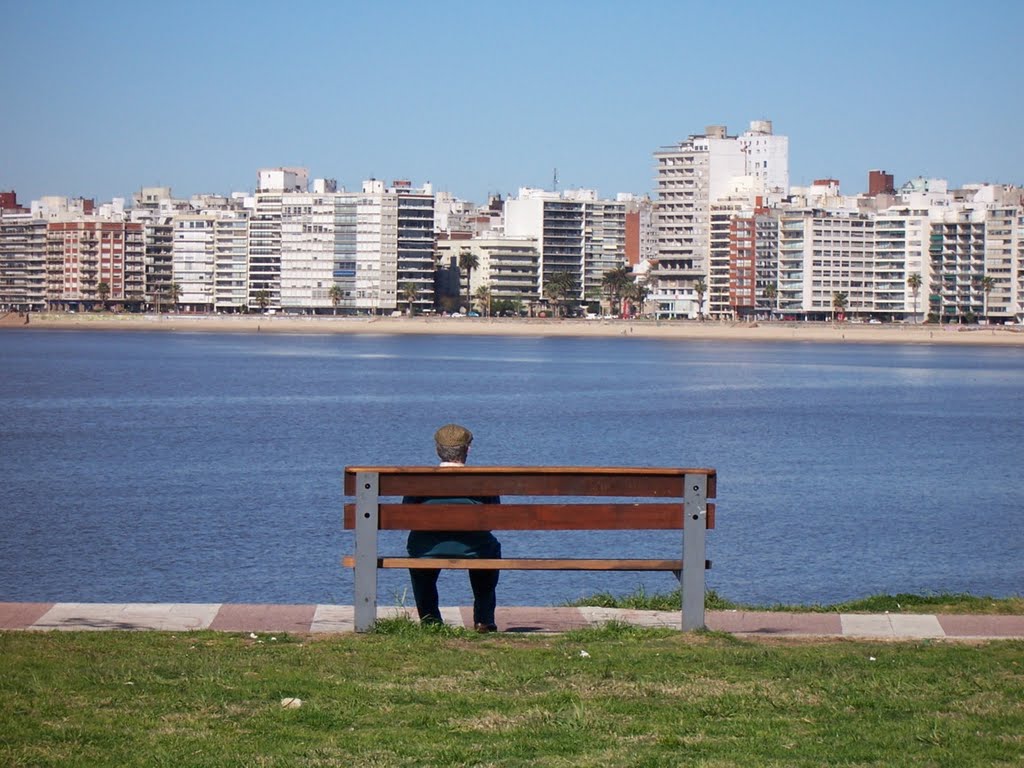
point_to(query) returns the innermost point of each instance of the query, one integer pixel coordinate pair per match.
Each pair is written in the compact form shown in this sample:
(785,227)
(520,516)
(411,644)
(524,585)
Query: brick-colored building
(92,262)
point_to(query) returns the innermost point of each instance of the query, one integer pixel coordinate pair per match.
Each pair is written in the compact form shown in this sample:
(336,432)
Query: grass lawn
(411,696)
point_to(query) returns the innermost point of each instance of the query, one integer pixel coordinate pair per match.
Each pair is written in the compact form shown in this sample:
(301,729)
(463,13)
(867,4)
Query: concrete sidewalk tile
(982,625)
(596,616)
(867,625)
(915,625)
(528,619)
(22,615)
(455,616)
(178,617)
(774,623)
(334,618)
(264,618)
(651,619)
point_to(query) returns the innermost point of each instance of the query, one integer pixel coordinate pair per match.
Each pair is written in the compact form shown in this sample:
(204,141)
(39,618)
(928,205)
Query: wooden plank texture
(529,517)
(642,482)
(525,564)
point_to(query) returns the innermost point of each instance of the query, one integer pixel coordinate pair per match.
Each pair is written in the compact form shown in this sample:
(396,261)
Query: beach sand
(478,326)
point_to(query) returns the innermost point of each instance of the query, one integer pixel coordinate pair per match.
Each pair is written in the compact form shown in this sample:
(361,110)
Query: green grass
(901,603)
(410,696)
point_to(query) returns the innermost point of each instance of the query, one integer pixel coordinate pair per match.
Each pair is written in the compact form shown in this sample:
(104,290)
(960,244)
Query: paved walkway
(180,617)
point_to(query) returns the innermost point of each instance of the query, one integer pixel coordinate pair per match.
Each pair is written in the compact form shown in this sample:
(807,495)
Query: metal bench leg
(365,572)
(694,551)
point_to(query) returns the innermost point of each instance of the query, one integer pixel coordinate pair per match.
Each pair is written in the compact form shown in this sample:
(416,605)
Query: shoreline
(683,330)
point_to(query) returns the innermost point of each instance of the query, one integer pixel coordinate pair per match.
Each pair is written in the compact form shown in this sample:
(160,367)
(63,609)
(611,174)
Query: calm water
(180,467)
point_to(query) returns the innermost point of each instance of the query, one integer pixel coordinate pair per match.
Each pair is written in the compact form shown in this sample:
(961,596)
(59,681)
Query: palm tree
(468,261)
(409,295)
(636,294)
(987,284)
(839,300)
(700,288)
(558,288)
(336,294)
(914,283)
(104,291)
(771,292)
(614,284)
(262,299)
(483,297)
(174,294)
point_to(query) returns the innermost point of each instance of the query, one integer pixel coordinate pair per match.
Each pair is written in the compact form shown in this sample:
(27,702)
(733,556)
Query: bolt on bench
(533,499)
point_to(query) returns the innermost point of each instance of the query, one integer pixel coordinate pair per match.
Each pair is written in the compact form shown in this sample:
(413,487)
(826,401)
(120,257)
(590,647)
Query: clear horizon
(104,100)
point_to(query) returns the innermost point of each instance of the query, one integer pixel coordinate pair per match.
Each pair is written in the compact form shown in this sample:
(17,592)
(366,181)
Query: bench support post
(365,572)
(694,551)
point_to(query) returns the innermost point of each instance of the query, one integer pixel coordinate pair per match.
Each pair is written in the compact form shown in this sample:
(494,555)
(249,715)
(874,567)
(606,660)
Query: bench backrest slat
(644,482)
(527,517)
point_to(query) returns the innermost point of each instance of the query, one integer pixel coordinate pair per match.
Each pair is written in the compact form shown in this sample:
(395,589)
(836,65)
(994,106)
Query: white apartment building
(22,263)
(390,251)
(508,266)
(264,265)
(307,251)
(693,175)
(821,254)
(766,157)
(576,233)
(690,175)
(901,250)
(193,261)
(284,179)
(1001,293)
(231,262)
(957,257)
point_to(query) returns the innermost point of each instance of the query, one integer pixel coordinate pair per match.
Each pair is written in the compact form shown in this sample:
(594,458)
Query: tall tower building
(692,176)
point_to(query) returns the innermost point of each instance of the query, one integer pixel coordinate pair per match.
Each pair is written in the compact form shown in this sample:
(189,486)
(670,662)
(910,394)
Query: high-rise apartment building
(92,262)
(956,250)
(193,261)
(1002,256)
(231,261)
(753,263)
(692,176)
(307,251)
(576,233)
(22,262)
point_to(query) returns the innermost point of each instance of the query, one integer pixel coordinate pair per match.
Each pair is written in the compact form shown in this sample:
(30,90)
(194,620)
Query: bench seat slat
(530,517)
(525,564)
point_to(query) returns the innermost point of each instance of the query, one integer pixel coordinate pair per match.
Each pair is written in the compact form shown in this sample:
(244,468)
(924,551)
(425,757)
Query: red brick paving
(525,619)
(264,618)
(775,623)
(982,626)
(21,615)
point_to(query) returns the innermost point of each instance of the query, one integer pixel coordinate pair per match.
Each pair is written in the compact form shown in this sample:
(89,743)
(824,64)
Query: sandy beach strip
(689,330)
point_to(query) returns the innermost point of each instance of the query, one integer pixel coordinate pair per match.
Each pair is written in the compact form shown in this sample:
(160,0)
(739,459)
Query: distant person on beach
(452,443)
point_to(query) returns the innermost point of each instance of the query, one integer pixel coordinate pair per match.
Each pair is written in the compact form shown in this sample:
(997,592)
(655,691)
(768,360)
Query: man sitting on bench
(452,443)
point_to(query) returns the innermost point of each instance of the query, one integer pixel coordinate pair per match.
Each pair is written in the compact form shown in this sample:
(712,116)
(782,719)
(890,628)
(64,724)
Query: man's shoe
(483,629)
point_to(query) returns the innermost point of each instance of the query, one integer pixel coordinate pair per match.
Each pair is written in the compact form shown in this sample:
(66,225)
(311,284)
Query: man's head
(452,442)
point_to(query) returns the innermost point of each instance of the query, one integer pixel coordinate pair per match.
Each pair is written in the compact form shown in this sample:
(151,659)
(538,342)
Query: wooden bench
(570,498)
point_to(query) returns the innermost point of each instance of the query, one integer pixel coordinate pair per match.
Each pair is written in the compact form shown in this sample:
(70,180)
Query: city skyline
(482,101)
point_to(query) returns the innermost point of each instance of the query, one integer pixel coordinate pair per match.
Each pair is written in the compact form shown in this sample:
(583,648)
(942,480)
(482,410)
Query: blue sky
(102,98)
